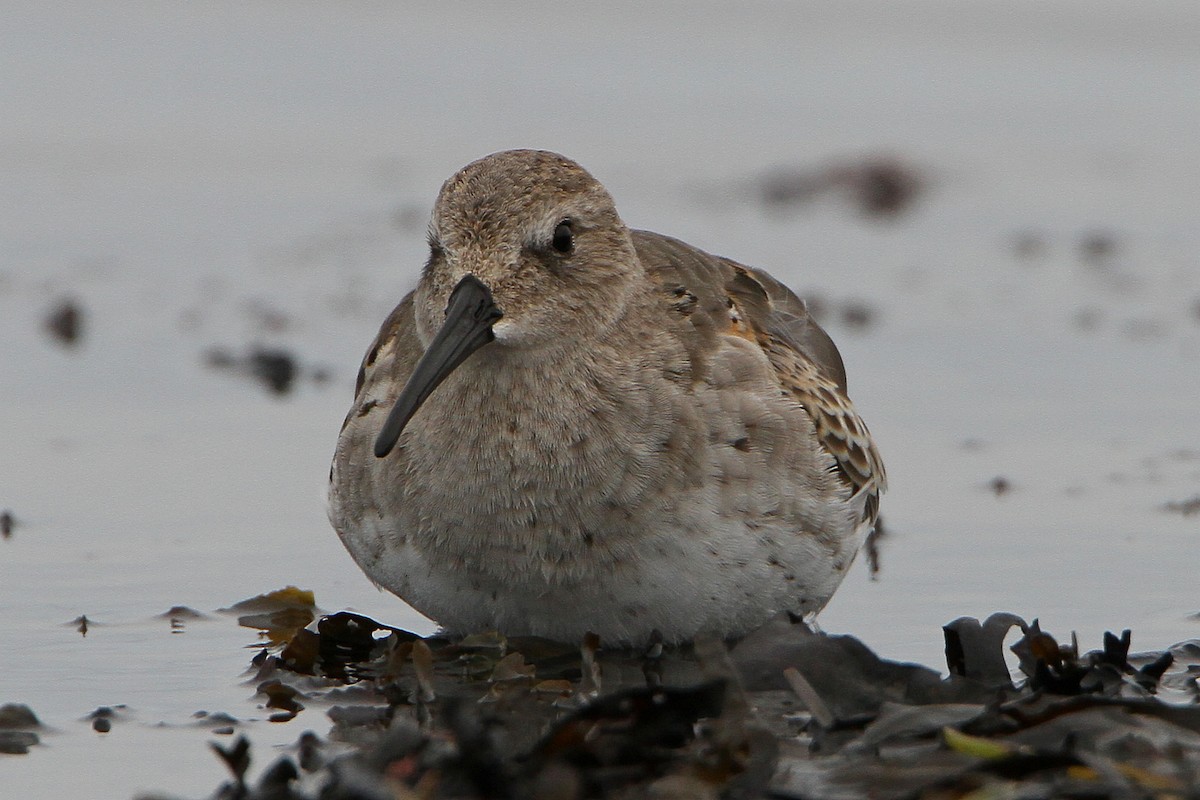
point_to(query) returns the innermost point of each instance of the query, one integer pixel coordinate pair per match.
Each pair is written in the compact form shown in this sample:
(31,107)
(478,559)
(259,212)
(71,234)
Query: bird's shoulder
(388,361)
(719,296)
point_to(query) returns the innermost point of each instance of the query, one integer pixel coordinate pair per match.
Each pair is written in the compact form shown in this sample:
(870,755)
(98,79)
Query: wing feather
(751,303)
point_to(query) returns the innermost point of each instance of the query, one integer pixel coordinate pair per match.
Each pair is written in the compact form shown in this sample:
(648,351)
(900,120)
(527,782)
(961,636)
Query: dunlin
(570,426)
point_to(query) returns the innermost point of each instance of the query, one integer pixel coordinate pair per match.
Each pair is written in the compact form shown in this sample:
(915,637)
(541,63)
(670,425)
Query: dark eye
(564,240)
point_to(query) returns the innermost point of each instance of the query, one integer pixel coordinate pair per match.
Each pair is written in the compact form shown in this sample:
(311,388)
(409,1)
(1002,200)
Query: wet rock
(179,616)
(877,186)
(282,697)
(288,597)
(102,718)
(64,323)
(976,650)
(17,743)
(219,722)
(279,614)
(850,680)
(708,723)
(359,716)
(884,187)
(17,716)
(182,613)
(274,367)
(1185,507)
(999,486)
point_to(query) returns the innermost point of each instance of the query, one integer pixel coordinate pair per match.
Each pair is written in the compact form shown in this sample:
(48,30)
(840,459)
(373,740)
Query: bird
(570,427)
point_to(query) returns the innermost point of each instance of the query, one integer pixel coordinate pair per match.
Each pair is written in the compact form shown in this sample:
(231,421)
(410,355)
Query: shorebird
(570,426)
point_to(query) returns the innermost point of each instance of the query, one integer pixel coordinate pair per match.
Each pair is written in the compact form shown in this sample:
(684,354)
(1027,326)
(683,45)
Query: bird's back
(719,296)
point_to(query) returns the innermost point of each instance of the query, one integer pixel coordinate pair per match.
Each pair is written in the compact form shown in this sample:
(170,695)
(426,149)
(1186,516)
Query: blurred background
(209,208)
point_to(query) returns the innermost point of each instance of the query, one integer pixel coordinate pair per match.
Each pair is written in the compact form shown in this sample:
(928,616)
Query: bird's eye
(564,240)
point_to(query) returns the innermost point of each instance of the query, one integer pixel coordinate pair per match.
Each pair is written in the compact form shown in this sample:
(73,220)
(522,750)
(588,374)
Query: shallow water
(230,175)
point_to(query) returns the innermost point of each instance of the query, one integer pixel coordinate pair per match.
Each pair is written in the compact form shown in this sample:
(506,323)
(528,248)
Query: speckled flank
(657,438)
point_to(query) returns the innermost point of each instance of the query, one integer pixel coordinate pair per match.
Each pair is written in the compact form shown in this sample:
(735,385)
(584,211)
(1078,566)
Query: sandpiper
(571,426)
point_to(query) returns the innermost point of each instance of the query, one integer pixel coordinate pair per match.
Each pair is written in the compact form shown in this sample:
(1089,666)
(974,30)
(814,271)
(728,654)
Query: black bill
(470,315)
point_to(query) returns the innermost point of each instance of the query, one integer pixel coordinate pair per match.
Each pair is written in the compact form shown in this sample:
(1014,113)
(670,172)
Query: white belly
(693,570)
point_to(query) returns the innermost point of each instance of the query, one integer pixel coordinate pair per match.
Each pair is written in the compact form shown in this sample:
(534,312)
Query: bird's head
(526,251)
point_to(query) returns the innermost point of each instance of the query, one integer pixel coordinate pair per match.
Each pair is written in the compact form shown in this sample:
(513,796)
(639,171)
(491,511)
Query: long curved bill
(470,315)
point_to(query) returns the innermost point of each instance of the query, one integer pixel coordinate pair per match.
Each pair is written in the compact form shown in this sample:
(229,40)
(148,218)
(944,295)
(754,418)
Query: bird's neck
(550,393)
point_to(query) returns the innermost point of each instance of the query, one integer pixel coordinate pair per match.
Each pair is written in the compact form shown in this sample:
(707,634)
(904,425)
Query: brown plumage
(805,359)
(570,426)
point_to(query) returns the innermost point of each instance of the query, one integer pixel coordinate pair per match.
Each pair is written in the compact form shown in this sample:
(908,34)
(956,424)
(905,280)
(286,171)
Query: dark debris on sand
(275,368)
(64,322)
(878,186)
(18,729)
(1184,507)
(783,713)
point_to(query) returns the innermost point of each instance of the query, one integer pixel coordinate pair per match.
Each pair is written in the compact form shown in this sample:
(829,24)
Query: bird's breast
(549,467)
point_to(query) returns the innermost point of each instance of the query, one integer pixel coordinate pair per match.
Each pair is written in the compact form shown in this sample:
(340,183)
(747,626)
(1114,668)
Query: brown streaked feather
(728,297)
(392,355)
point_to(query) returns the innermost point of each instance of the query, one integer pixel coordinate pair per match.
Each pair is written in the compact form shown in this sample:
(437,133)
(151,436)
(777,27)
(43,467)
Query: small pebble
(102,725)
(1096,247)
(885,187)
(275,368)
(65,322)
